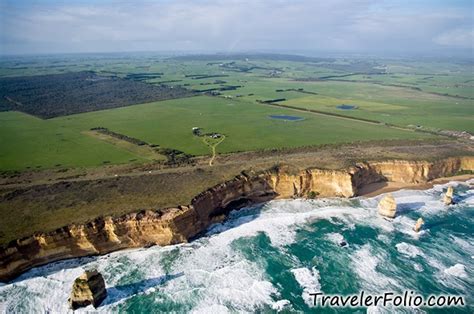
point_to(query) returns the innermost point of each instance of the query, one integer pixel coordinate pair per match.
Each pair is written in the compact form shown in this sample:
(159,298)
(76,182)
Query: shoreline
(172,225)
(390,187)
(378,188)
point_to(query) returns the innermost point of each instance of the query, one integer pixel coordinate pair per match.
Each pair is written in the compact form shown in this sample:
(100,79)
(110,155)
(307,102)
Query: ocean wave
(408,249)
(281,305)
(336,238)
(365,265)
(212,273)
(308,279)
(458,270)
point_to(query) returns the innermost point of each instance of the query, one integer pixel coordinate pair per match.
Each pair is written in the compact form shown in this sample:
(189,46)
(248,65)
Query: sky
(374,27)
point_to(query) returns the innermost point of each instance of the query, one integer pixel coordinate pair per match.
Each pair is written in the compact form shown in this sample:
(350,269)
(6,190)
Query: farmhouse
(216,135)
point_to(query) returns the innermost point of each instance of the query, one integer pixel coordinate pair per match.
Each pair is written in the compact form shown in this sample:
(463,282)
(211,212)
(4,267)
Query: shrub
(312,194)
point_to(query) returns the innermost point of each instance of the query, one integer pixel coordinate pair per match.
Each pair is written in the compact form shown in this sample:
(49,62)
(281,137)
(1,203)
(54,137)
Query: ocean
(270,257)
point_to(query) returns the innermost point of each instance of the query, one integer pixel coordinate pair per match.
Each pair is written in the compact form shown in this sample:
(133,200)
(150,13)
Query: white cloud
(338,25)
(463,38)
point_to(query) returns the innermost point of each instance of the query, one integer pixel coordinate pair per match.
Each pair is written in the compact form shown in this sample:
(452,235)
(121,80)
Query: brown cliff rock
(420,171)
(179,224)
(89,288)
(419,224)
(448,197)
(387,206)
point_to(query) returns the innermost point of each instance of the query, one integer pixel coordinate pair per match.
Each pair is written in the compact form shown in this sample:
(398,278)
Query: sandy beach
(378,188)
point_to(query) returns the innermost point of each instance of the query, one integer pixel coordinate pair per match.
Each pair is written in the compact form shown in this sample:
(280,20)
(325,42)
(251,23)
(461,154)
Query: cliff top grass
(49,199)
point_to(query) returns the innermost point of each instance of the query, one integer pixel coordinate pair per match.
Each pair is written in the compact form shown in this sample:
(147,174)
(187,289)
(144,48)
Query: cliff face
(325,183)
(89,288)
(176,225)
(420,171)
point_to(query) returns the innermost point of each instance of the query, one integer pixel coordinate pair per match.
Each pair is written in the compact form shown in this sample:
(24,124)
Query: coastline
(377,188)
(182,223)
(297,233)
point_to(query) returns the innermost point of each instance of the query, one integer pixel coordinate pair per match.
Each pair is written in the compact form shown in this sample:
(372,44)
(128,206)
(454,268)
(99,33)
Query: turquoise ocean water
(268,258)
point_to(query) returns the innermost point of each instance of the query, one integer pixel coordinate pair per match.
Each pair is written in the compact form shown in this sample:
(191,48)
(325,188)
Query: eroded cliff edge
(176,225)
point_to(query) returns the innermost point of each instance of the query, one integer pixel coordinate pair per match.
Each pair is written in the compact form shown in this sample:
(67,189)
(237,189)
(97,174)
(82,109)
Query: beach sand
(378,188)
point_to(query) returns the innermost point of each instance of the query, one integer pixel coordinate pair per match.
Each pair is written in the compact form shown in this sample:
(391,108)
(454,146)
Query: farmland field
(31,142)
(27,142)
(233,96)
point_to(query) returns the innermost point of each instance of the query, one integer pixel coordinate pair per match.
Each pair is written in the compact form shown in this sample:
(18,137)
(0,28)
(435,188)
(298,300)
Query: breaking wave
(272,256)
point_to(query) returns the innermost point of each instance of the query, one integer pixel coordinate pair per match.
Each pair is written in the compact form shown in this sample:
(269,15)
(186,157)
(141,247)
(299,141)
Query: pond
(346,107)
(285,117)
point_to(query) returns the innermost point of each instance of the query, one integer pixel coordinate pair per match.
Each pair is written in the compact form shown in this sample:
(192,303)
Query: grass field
(30,142)
(391,105)
(402,93)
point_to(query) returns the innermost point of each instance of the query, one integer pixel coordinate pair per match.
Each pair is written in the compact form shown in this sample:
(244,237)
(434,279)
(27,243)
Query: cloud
(463,38)
(231,25)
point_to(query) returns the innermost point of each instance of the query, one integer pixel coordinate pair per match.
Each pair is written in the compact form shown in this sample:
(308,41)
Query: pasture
(26,141)
(418,95)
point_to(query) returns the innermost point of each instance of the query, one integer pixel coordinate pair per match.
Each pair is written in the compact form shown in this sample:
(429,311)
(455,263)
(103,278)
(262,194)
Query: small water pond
(346,107)
(285,117)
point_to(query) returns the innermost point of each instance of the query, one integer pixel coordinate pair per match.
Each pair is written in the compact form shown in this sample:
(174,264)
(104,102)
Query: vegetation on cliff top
(48,199)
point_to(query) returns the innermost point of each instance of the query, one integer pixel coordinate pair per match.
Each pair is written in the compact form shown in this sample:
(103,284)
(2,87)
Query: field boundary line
(335,115)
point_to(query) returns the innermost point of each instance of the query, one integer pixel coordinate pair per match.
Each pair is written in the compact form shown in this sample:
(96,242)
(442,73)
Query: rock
(89,288)
(448,197)
(388,207)
(343,243)
(419,224)
(176,225)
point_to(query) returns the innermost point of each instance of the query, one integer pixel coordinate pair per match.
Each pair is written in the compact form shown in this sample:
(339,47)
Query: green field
(429,96)
(26,141)
(29,142)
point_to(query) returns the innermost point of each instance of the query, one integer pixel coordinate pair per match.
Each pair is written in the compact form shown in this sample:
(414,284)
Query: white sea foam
(279,220)
(405,225)
(383,238)
(417,267)
(308,279)
(365,264)
(458,270)
(280,305)
(215,308)
(335,238)
(466,246)
(408,249)
(449,276)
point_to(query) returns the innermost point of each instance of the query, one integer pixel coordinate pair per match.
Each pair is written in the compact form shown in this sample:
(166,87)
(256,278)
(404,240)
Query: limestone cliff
(420,171)
(387,206)
(180,224)
(89,288)
(448,196)
(419,224)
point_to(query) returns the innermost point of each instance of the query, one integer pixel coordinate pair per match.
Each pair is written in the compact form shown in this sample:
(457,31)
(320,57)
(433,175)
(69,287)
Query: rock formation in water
(387,206)
(419,224)
(179,224)
(89,288)
(448,197)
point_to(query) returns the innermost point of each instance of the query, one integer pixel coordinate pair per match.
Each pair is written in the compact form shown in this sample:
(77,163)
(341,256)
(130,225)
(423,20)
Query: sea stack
(419,224)
(448,197)
(388,207)
(89,288)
